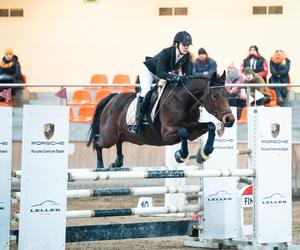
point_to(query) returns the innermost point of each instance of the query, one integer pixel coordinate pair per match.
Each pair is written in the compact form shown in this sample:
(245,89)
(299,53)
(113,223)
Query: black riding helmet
(183,37)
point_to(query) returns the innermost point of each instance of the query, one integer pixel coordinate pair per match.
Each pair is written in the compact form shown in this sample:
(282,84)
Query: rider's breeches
(146,80)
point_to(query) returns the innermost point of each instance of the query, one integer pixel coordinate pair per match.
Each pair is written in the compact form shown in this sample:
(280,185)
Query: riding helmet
(183,37)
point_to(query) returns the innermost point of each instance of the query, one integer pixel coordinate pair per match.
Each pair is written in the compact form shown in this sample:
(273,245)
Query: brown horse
(177,119)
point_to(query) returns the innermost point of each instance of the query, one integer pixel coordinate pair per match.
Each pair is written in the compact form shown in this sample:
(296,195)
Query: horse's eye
(214,96)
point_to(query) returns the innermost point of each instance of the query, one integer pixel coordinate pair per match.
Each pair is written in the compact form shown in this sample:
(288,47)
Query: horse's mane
(192,77)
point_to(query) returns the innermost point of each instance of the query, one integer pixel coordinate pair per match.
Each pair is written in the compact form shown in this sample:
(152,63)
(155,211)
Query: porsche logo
(220,129)
(48,130)
(275,129)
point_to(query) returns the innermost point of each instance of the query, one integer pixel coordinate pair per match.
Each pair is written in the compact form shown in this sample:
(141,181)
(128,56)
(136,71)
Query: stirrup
(134,129)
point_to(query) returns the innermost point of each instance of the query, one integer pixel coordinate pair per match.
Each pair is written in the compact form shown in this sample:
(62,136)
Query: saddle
(150,105)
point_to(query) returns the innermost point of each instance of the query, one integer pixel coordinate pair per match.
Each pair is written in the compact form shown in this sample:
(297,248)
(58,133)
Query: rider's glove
(174,78)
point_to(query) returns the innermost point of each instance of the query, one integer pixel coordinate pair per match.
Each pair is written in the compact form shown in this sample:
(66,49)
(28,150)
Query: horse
(177,118)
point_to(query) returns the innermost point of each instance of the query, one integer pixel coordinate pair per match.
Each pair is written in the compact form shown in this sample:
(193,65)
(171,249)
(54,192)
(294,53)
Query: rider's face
(184,48)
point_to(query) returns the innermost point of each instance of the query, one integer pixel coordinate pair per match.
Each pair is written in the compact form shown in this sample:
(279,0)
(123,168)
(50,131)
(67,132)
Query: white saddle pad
(130,115)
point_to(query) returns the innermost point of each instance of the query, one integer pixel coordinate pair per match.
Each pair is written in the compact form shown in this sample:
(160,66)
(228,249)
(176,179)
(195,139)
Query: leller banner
(220,197)
(5,174)
(44,165)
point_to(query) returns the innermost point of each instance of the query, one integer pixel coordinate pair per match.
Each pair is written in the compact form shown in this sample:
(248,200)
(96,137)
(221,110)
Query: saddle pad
(130,115)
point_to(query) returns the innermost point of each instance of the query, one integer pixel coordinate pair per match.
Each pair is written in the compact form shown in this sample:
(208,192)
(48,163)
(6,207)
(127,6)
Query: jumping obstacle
(132,211)
(265,234)
(84,193)
(18,173)
(161,174)
(269,138)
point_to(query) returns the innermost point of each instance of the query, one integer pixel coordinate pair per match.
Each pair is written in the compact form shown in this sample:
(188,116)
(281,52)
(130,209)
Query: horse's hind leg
(203,154)
(119,161)
(99,157)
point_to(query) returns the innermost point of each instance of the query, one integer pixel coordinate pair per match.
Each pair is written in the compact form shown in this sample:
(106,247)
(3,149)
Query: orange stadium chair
(85,114)
(5,103)
(71,115)
(100,94)
(119,78)
(24,78)
(81,97)
(98,79)
(273,101)
(123,79)
(243,118)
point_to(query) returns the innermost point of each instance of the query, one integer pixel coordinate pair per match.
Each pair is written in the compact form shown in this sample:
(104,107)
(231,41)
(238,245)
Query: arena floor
(137,244)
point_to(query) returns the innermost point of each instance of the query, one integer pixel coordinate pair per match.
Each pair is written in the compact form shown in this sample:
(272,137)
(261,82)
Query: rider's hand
(175,78)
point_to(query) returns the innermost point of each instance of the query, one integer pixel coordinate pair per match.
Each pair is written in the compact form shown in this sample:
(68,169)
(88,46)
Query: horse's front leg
(200,129)
(171,137)
(183,152)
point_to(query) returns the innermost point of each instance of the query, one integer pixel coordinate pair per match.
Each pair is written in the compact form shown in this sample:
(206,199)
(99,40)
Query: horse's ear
(214,77)
(223,76)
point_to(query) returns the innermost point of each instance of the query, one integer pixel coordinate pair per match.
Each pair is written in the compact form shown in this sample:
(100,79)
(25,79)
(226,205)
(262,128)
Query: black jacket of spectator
(280,72)
(11,68)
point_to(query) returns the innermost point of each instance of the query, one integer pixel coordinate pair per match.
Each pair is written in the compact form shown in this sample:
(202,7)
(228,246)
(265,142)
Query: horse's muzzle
(228,120)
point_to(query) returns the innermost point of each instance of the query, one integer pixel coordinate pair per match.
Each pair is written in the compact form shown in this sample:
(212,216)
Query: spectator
(204,66)
(237,98)
(280,67)
(255,61)
(251,77)
(10,72)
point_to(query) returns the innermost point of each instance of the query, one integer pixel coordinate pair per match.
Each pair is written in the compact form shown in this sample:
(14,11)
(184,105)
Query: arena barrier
(264,145)
(5,169)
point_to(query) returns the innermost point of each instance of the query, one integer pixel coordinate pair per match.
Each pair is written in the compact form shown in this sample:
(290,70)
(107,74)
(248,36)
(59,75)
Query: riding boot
(135,128)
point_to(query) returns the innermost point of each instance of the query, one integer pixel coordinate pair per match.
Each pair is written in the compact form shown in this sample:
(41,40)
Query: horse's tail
(95,126)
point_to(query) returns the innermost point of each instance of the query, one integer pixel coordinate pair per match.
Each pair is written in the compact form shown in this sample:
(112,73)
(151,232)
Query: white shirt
(178,56)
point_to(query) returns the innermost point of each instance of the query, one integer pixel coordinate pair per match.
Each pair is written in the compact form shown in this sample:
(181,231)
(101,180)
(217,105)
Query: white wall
(65,41)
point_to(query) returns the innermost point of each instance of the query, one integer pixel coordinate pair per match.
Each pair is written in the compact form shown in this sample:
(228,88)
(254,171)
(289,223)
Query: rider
(170,64)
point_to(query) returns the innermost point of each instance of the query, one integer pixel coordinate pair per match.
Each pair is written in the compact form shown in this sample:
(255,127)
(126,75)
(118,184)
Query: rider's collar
(178,55)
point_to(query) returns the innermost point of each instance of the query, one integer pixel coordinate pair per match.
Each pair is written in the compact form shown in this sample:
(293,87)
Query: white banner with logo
(220,194)
(5,174)
(44,177)
(272,157)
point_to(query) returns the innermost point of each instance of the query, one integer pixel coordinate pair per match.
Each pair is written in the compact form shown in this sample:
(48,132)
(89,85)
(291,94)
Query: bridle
(208,95)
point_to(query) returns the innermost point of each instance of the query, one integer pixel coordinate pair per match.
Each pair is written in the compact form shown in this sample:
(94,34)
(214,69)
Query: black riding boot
(135,128)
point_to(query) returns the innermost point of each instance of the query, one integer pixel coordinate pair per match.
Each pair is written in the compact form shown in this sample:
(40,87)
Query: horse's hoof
(178,157)
(100,165)
(115,165)
(201,156)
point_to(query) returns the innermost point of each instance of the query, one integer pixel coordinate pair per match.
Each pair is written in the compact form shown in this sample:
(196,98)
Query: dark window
(275,9)
(182,11)
(165,11)
(259,10)
(3,12)
(16,12)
